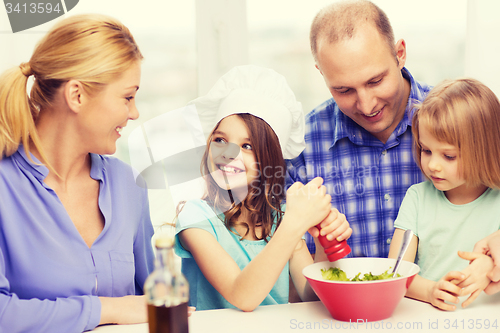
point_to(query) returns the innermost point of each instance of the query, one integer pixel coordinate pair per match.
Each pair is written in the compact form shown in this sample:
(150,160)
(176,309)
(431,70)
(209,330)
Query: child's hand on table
(447,290)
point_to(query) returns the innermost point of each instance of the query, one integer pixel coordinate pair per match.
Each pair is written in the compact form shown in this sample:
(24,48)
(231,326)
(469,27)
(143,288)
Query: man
(360,141)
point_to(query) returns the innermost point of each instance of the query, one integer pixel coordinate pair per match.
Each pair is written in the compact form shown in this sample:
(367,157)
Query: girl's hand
(334,226)
(191,310)
(476,278)
(446,290)
(308,203)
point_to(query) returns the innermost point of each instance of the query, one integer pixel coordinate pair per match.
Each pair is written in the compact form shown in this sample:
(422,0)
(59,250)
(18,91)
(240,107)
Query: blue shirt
(366,178)
(50,279)
(202,295)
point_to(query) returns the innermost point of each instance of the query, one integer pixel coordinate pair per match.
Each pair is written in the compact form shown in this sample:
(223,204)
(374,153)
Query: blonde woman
(75,244)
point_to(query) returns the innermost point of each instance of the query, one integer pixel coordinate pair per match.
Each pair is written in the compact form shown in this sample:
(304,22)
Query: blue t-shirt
(50,280)
(198,214)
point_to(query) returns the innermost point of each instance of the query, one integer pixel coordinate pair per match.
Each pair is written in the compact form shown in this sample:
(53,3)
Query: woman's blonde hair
(93,49)
(466,114)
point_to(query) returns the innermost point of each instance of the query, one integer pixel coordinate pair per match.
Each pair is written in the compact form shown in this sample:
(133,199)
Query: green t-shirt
(443,228)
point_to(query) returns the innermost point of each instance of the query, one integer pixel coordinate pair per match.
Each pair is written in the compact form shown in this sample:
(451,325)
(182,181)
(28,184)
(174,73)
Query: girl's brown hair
(464,113)
(266,193)
(93,49)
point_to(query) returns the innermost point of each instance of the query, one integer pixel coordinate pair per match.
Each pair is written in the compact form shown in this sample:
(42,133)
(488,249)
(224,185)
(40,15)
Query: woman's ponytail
(16,116)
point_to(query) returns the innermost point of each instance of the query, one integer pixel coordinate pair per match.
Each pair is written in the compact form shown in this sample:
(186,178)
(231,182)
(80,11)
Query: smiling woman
(83,257)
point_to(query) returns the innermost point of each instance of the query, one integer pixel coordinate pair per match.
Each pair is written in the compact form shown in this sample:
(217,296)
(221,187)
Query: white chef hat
(261,92)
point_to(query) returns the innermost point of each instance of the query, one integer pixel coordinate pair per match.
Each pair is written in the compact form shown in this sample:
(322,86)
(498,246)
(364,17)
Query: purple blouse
(50,279)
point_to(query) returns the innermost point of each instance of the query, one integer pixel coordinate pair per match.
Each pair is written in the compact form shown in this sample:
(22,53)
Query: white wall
(482,52)
(221,39)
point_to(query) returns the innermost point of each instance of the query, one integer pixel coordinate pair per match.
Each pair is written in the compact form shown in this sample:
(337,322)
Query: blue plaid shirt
(366,178)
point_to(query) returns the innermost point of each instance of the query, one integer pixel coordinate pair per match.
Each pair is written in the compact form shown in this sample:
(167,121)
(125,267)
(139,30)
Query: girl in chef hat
(237,243)
(455,134)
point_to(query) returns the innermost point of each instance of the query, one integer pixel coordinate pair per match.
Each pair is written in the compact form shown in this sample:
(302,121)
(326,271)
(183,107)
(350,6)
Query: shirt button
(389,240)
(384,152)
(387,196)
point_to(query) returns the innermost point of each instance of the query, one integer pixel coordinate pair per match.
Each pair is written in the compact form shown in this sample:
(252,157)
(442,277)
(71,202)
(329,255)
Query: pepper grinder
(334,249)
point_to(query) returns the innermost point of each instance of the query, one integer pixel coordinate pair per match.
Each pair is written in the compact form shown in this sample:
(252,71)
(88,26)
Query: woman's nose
(133,112)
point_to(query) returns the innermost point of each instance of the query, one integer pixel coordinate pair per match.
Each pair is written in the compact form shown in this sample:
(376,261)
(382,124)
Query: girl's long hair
(265,193)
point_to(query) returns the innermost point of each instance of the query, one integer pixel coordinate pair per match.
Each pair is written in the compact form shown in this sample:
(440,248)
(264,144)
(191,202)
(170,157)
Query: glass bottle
(167,292)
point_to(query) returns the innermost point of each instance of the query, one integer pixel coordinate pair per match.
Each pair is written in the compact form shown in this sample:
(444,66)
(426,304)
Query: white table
(409,316)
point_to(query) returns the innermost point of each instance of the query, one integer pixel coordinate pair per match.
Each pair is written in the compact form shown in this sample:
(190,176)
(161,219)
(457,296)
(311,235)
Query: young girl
(237,245)
(456,139)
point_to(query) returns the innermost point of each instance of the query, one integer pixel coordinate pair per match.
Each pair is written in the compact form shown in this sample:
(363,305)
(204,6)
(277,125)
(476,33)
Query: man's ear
(73,95)
(400,48)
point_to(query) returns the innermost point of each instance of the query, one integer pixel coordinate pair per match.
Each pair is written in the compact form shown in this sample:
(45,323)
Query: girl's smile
(228,169)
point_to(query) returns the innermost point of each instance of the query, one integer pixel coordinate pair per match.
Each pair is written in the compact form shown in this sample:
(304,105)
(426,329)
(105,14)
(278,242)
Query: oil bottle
(167,292)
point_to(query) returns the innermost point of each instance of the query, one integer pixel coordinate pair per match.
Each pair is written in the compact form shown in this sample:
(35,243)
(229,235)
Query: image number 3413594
(26,14)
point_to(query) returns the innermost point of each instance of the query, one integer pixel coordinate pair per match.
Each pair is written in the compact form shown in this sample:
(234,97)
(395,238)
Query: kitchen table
(483,315)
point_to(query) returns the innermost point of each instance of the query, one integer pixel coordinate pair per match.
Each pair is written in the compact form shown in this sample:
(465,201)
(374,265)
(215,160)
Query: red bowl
(361,300)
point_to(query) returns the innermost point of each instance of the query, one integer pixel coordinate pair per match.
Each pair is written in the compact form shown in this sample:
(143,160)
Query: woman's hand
(476,275)
(446,290)
(123,310)
(126,310)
